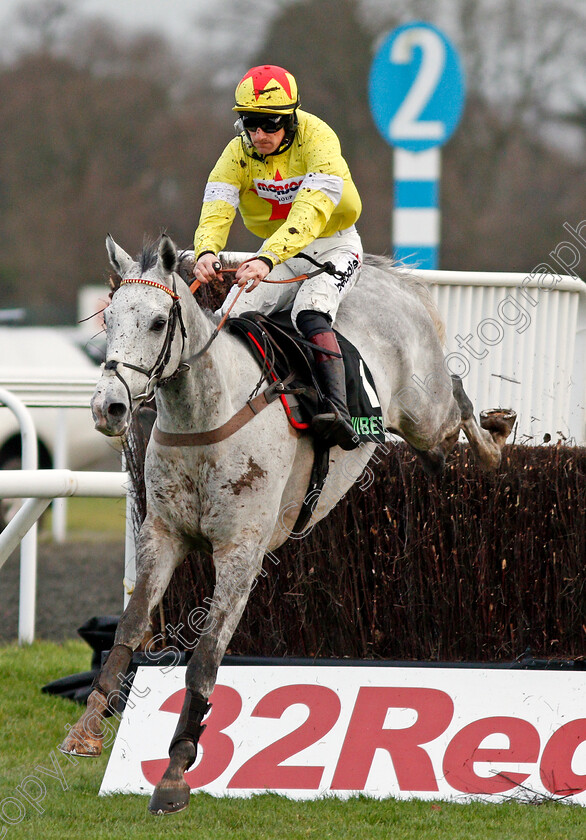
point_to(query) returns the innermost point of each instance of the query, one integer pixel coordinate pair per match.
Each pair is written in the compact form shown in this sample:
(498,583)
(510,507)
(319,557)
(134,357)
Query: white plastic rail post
(28,545)
(59,506)
(39,487)
(129,543)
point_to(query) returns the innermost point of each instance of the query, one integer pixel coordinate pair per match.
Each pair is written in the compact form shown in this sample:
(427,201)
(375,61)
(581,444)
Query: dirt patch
(75,581)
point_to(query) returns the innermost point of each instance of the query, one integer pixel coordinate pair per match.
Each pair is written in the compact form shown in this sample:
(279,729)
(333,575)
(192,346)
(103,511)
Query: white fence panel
(518,342)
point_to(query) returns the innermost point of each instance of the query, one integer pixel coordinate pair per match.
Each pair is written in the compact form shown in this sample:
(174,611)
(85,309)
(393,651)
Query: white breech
(321,293)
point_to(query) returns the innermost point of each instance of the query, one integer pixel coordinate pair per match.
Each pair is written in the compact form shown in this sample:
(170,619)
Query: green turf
(91,518)
(32,725)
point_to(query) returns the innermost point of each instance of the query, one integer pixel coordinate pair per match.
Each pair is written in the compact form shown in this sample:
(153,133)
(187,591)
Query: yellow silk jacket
(288,199)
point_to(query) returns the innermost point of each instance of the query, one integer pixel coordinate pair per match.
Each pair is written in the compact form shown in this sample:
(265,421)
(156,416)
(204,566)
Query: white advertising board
(303,731)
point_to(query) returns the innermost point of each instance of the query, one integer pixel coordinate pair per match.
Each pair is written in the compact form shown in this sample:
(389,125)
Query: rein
(327,267)
(154,375)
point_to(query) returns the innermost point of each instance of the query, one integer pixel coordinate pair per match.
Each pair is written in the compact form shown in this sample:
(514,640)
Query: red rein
(197,283)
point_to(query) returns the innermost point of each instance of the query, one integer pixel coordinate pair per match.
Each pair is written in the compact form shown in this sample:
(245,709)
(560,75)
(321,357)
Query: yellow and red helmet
(267,89)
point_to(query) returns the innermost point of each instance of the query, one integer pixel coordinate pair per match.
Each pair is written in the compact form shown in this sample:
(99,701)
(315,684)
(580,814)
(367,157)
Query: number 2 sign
(416,87)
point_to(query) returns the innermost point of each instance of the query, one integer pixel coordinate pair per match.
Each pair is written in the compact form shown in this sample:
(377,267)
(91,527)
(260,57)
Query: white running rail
(39,488)
(62,393)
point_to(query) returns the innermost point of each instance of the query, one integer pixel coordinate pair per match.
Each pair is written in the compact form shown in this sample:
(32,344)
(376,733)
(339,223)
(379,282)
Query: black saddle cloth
(277,346)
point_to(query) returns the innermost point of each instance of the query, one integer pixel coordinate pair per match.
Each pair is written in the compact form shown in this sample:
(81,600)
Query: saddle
(286,357)
(284,354)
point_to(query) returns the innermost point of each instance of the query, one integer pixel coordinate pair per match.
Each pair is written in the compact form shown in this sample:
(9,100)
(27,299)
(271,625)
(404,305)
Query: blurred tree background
(104,131)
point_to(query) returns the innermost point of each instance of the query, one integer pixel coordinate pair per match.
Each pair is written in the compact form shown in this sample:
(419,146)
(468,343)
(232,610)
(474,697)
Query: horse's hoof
(87,747)
(498,420)
(169,799)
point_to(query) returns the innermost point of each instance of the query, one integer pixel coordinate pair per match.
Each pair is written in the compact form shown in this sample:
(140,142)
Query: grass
(32,725)
(89,519)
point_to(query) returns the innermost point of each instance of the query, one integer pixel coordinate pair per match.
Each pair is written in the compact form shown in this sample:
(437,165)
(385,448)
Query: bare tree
(88,148)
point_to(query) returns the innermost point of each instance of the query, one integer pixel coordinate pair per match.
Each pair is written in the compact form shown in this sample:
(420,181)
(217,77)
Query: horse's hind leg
(158,556)
(235,573)
(488,438)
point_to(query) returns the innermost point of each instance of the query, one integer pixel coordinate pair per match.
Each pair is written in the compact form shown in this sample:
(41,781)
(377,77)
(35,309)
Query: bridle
(154,374)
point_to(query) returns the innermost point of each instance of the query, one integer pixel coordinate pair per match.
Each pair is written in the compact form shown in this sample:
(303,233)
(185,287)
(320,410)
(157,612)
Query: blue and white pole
(416,215)
(416,92)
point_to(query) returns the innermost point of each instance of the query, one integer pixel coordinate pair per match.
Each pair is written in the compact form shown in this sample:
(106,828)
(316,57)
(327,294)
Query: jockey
(286,175)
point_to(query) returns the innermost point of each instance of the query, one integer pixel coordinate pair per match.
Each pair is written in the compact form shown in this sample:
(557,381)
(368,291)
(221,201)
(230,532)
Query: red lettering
(264,770)
(366,734)
(278,186)
(216,748)
(556,762)
(464,751)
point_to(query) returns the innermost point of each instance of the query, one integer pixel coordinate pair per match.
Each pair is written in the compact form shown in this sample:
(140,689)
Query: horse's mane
(149,255)
(404,277)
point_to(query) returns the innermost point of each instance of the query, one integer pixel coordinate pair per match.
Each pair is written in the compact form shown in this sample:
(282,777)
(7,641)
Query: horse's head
(144,333)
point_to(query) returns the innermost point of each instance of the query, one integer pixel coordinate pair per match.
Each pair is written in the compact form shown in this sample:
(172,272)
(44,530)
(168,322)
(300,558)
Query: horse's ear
(119,259)
(167,254)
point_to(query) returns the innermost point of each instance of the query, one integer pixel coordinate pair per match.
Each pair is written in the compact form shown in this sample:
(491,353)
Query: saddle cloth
(280,350)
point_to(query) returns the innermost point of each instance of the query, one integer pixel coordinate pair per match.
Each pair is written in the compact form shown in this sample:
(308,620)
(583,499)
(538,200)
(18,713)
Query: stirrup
(334,429)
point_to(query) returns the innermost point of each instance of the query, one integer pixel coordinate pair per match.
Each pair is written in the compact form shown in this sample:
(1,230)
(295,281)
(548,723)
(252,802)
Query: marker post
(416,93)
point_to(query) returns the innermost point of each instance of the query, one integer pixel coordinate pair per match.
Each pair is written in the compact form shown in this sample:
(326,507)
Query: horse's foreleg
(439,428)
(499,422)
(433,460)
(235,574)
(488,438)
(158,554)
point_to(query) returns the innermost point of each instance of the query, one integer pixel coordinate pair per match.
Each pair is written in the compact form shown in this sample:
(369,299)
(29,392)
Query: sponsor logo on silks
(353,266)
(283,191)
(368,425)
(278,193)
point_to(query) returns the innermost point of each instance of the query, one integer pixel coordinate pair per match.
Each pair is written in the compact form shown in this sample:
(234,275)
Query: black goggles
(269,123)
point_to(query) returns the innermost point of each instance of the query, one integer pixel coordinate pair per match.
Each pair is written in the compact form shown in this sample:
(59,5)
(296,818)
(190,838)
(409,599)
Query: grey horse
(237,494)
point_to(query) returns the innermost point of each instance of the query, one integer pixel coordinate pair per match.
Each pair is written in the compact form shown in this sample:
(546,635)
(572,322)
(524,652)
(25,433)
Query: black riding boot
(333,425)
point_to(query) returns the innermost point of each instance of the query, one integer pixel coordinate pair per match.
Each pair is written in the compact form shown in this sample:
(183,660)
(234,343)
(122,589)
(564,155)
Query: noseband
(154,375)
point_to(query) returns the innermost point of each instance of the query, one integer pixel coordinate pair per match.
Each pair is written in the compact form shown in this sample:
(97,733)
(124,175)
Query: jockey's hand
(251,273)
(207,268)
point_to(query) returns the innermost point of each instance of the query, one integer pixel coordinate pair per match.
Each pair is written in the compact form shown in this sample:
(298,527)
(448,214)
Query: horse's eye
(158,324)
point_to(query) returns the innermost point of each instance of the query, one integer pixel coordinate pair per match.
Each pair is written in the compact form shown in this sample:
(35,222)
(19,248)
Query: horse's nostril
(116,410)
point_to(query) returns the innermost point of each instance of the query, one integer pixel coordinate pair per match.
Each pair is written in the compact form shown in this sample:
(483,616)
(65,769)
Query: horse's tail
(419,287)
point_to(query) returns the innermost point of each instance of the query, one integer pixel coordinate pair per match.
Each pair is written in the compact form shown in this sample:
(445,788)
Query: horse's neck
(202,397)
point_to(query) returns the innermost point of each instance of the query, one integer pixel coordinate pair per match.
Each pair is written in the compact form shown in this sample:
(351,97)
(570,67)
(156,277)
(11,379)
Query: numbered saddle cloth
(278,347)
